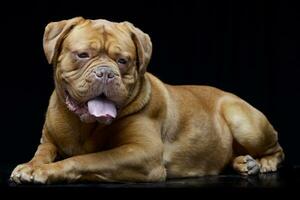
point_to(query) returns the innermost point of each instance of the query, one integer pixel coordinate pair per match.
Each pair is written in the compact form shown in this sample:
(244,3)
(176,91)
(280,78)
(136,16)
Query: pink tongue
(100,107)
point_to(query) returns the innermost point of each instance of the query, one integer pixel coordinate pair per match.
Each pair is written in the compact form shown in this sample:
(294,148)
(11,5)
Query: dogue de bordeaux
(110,120)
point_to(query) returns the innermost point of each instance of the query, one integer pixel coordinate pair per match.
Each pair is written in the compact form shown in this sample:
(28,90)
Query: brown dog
(109,120)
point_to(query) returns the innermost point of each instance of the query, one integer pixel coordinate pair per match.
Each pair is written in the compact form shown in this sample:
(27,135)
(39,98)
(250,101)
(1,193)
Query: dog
(109,120)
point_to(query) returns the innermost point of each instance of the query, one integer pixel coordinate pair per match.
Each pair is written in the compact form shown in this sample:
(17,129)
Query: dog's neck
(139,99)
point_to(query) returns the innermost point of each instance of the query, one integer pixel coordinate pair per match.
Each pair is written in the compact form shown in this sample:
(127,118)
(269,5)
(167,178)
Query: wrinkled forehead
(100,35)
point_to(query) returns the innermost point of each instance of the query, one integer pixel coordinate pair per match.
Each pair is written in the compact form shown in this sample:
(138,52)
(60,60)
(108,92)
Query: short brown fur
(161,130)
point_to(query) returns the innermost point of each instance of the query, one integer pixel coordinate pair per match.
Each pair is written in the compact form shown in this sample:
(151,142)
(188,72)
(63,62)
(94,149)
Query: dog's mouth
(102,107)
(99,108)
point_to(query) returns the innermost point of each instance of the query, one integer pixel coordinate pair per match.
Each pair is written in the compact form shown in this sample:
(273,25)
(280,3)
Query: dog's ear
(54,34)
(143,46)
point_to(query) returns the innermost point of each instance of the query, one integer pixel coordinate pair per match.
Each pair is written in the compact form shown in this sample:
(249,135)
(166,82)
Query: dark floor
(287,178)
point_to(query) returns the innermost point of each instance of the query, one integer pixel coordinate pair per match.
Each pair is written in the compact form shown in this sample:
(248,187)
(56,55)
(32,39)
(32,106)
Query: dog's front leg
(45,154)
(129,162)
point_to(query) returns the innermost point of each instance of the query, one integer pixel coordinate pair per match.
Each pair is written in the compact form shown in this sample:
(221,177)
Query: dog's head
(97,64)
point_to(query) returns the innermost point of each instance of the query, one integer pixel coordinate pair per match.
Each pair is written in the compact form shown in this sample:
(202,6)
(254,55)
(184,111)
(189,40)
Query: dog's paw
(22,173)
(246,165)
(268,165)
(29,173)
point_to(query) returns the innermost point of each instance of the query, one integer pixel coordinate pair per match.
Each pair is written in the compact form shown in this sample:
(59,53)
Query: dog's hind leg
(253,132)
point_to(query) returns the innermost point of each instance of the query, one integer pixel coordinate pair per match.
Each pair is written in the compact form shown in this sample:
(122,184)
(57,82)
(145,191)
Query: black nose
(104,73)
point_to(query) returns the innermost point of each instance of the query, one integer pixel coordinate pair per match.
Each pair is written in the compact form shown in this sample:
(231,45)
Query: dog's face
(97,64)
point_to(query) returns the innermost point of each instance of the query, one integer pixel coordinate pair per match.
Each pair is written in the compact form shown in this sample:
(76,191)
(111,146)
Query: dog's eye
(122,61)
(83,55)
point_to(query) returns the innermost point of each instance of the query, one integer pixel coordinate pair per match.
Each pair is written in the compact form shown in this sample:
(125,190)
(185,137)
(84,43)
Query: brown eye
(83,55)
(122,61)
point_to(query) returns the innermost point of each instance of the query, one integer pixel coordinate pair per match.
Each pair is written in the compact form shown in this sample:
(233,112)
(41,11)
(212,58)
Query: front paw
(22,173)
(30,173)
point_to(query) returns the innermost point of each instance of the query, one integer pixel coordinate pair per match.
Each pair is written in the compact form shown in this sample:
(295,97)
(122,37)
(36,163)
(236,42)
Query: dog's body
(109,120)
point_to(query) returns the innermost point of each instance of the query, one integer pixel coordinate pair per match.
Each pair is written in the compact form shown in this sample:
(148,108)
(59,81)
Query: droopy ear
(143,45)
(54,34)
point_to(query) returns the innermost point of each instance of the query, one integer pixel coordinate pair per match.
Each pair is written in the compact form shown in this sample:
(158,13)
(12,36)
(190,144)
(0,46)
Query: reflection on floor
(286,177)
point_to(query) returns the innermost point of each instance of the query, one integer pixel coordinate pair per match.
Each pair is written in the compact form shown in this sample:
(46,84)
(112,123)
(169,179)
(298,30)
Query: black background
(249,48)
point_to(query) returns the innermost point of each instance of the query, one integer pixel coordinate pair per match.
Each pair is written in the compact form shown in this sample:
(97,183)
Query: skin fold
(159,130)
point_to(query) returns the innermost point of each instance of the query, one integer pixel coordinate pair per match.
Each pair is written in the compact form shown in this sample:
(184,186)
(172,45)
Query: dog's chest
(82,142)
